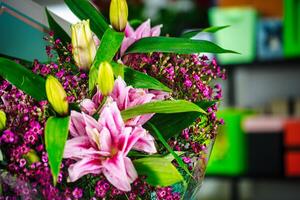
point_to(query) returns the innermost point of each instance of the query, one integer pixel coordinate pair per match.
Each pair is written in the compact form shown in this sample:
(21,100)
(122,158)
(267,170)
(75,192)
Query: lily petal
(105,140)
(144,30)
(146,144)
(80,147)
(131,172)
(77,125)
(90,122)
(112,120)
(129,32)
(120,93)
(155,31)
(115,172)
(127,42)
(84,167)
(88,106)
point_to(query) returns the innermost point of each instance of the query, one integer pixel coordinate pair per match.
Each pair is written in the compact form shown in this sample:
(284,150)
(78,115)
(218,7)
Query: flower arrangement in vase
(116,113)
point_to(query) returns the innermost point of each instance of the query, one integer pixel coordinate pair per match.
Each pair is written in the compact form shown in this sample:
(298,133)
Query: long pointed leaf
(56,134)
(83,9)
(159,171)
(109,46)
(58,31)
(138,79)
(23,79)
(167,146)
(171,125)
(173,106)
(213,29)
(175,45)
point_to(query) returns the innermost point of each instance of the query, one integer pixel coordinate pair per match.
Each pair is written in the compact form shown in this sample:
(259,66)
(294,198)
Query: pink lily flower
(102,146)
(125,97)
(144,30)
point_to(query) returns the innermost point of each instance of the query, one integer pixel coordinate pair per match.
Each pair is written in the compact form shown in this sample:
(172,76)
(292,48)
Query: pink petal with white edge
(131,172)
(90,122)
(127,42)
(75,146)
(155,31)
(77,124)
(105,140)
(115,172)
(97,98)
(112,120)
(125,140)
(88,106)
(120,93)
(144,30)
(146,144)
(160,95)
(84,167)
(139,120)
(80,147)
(129,32)
(145,141)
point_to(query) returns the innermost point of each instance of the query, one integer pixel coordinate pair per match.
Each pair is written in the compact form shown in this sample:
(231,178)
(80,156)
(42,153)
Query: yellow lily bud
(31,157)
(105,78)
(118,14)
(2,120)
(56,95)
(84,47)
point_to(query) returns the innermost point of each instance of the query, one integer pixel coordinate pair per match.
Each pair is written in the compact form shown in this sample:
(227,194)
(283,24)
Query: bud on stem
(2,120)
(84,47)
(57,96)
(118,14)
(105,78)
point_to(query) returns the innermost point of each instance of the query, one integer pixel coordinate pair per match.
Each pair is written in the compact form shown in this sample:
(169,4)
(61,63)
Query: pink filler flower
(102,146)
(144,30)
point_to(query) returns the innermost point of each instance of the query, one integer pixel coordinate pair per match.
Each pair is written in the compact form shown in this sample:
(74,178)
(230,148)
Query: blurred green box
(229,152)
(291,33)
(240,36)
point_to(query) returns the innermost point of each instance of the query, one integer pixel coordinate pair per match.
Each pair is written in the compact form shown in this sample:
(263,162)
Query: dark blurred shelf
(257,64)
(255,178)
(235,180)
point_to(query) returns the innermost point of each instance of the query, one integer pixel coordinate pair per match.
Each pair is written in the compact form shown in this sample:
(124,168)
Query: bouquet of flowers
(116,113)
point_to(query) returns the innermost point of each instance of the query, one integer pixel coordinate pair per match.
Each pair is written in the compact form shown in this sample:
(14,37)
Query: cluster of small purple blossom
(56,46)
(192,78)
(74,85)
(189,76)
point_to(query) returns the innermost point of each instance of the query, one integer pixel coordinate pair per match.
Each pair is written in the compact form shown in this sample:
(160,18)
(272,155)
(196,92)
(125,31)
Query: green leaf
(135,22)
(213,29)
(172,106)
(159,171)
(119,69)
(167,146)
(84,9)
(175,45)
(170,157)
(138,79)
(23,79)
(58,31)
(56,134)
(109,46)
(171,125)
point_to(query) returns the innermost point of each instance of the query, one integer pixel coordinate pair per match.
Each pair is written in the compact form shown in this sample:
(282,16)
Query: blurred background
(257,153)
